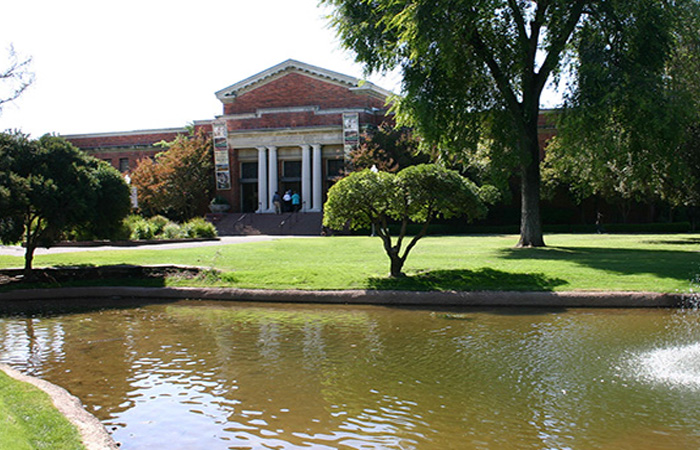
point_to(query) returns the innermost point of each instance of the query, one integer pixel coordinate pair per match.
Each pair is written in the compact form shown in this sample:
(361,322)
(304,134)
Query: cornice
(125,133)
(292,66)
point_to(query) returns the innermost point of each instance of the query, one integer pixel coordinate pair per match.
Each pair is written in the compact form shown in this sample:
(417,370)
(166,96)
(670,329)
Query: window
(107,160)
(291,170)
(249,171)
(123,164)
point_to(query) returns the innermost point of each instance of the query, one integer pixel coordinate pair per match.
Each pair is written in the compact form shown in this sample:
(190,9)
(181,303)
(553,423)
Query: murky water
(204,375)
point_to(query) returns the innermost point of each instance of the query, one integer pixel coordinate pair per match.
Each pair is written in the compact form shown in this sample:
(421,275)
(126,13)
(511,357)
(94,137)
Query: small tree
(48,187)
(180,182)
(416,194)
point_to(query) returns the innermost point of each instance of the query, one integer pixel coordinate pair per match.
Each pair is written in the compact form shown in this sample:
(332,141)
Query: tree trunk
(530,221)
(396,265)
(28,258)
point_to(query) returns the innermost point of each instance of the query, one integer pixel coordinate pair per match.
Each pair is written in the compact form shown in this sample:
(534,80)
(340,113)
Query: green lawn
(29,421)
(661,263)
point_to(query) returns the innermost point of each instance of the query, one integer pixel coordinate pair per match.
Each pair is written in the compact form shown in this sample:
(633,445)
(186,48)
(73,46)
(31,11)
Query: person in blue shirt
(296,202)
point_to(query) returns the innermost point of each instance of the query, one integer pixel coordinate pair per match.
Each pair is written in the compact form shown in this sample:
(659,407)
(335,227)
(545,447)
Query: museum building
(289,127)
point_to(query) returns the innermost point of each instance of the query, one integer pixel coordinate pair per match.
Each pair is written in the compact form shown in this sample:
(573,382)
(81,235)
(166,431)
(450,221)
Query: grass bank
(631,262)
(28,419)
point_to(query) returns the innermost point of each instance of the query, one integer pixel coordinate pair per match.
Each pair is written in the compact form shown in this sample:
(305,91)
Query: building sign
(351,133)
(221,158)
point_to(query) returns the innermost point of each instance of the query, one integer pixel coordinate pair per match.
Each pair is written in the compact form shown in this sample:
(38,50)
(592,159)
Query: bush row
(159,227)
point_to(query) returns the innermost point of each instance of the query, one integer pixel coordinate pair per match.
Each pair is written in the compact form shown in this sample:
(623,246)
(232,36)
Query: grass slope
(660,263)
(29,421)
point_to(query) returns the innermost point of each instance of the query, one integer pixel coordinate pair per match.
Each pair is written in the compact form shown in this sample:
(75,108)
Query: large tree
(475,71)
(416,194)
(179,183)
(629,131)
(49,187)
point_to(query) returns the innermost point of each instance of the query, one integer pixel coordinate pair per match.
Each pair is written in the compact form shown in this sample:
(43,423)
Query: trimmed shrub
(199,228)
(158,223)
(141,230)
(173,231)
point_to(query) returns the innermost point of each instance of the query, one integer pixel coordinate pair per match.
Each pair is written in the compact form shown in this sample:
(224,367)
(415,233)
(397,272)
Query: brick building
(286,128)
(289,127)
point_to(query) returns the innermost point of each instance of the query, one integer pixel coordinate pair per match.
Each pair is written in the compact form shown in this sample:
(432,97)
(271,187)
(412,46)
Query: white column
(305,177)
(262,181)
(272,174)
(317,181)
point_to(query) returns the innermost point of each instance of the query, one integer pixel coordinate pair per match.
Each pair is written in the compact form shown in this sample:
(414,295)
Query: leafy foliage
(474,71)
(389,149)
(49,187)
(159,227)
(418,194)
(628,130)
(179,183)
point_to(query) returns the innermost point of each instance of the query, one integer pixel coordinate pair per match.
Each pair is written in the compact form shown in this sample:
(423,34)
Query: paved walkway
(15,250)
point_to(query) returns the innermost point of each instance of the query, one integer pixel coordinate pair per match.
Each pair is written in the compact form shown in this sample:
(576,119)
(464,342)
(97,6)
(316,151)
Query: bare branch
(15,78)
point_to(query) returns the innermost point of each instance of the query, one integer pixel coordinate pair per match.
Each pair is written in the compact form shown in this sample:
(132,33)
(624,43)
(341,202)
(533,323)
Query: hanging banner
(221,157)
(351,133)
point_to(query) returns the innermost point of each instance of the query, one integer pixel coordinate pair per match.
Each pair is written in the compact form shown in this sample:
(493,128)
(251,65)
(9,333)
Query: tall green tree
(475,71)
(416,194)
(629,132)
(49,187)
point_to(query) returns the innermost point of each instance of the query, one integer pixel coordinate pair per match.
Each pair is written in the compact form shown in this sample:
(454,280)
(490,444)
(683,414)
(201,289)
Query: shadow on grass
(685,241)
(467,280)
(672,264)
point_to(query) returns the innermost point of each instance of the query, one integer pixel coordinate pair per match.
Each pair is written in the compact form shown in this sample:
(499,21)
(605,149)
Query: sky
(104,66)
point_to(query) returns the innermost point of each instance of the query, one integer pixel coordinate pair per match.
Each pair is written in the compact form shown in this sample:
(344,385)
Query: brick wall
(129,146)
(129,139)
(295,89)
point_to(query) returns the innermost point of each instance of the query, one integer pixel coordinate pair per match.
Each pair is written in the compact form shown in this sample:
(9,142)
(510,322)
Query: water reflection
(212,375)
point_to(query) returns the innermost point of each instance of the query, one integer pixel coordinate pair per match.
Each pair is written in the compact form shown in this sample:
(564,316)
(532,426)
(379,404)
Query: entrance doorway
(249,197)
(294,186)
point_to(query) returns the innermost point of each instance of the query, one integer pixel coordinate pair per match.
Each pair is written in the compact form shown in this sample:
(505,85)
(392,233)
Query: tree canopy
(179,183)
(417,194)
(49,187)
(475,71)
(629,132)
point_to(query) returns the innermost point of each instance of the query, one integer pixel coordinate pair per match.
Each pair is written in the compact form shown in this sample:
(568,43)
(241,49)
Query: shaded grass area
(29,421)
(660,263)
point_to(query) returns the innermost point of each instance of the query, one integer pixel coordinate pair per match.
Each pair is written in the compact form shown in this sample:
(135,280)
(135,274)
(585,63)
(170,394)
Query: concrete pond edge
(567,299)
(93,433)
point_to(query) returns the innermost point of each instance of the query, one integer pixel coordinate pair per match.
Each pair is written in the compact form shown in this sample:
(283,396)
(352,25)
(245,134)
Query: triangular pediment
(291,66)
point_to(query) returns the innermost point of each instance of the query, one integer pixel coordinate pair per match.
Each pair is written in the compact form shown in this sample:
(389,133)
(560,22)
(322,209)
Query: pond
(208,375)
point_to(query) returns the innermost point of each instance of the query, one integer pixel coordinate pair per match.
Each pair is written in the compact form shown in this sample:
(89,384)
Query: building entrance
(249,197)
(294,186)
